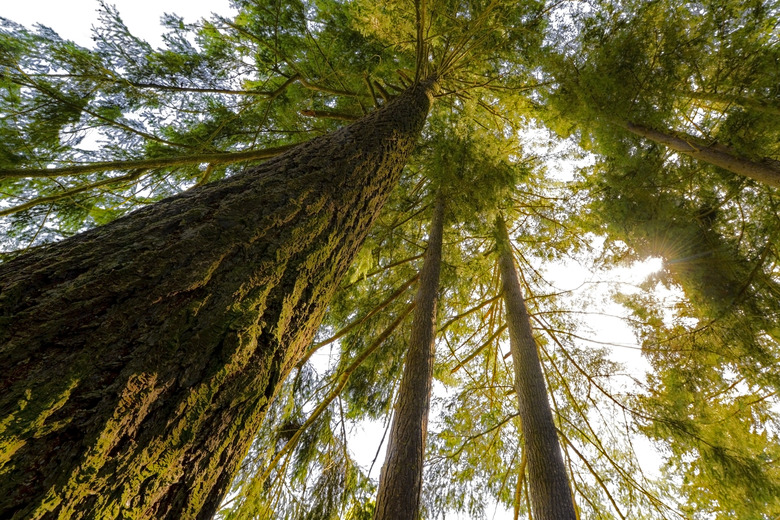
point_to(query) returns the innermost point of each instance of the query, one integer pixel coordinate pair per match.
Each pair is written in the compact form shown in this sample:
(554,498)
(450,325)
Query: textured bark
(766,171)
(138,358)
(548,483)
(400,483)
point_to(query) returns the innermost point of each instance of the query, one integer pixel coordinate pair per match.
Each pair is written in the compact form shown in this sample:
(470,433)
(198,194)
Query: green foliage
(706,69)
(710,394)
(282,72)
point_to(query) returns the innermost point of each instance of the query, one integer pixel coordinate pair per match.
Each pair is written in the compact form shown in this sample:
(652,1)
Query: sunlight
(640,271)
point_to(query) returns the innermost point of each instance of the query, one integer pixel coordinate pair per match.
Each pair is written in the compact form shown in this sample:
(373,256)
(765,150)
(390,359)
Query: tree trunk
(548,483)
(766,171)
(139,358)
(400,483)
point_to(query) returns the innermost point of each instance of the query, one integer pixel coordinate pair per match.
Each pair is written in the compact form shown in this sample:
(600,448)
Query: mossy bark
(400,483)
(548,482)
(139,357)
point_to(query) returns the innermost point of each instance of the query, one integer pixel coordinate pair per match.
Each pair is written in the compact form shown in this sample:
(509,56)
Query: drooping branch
(382,91)
(498,426)
(31,83)
(480,348)
(519,486)
(134,175)
(595,440)
(467,312)
(385,268)
(360,321)
(148,85)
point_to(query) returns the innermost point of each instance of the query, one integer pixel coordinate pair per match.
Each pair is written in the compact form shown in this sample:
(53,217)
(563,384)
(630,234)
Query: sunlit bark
(139,357)
(766,171)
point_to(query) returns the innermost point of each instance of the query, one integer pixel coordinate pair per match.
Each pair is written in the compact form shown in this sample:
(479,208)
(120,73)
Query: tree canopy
(667,112)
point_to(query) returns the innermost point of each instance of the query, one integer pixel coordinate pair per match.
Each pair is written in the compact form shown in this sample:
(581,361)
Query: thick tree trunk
(548,483)
(138,358)
(766,171)
(400,483)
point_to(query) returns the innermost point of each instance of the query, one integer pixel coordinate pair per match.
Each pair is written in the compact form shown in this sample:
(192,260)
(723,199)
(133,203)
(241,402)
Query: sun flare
(639,271)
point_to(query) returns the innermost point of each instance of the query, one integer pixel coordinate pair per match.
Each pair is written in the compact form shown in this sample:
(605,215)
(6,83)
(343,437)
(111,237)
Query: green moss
(31,415)
(219,334)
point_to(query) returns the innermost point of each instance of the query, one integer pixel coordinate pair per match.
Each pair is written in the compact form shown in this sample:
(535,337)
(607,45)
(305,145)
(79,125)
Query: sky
(73,20)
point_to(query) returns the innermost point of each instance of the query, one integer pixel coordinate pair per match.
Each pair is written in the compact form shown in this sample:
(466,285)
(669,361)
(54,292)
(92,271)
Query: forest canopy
(598,135)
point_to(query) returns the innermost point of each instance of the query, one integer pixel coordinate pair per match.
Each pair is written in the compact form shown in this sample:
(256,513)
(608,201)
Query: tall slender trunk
(139,357)
(400,483)
(548,483)
(766,171)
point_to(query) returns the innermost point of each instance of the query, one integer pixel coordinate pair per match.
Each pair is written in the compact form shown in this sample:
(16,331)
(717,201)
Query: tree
(699,81)
(766,170)
(549,486)
(140,401)
(156,409)
(227,91)
(713,364)
(400,484)
(644,69)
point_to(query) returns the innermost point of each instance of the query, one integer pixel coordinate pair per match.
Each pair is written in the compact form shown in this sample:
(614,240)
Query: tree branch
(213,158)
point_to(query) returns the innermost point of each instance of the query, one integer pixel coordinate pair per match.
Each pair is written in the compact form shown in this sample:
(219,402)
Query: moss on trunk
(139,357)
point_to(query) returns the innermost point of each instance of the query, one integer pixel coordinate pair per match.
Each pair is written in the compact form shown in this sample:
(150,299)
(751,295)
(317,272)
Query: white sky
(73,20)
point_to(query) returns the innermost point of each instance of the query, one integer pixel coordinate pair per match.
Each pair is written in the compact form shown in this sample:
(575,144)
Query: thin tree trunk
(549,485)
(400,483)
(139,357)
(766,171)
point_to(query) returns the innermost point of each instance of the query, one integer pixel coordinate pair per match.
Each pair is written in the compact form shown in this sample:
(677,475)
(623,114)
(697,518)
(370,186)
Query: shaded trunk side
(400,482)
(548,482)
(140,357)
(766,171)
